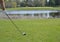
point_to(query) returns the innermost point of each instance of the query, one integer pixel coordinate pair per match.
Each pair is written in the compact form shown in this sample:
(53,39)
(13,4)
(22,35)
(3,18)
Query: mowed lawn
(37,30)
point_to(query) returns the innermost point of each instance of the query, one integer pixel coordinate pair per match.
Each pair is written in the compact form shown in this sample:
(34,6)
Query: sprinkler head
(24,33)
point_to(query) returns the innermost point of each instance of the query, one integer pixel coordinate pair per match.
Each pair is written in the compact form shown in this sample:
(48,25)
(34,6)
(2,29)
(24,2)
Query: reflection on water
(31,14)
(55,15)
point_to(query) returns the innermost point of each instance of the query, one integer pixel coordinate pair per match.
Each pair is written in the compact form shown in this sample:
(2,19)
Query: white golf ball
(24,33)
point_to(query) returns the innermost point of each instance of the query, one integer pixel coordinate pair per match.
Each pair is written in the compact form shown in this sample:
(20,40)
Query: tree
(43,2)
(37,3)
(52,3)
(57,2)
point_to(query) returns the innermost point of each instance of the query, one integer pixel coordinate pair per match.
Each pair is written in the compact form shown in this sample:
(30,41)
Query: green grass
(35,8)
(37,30)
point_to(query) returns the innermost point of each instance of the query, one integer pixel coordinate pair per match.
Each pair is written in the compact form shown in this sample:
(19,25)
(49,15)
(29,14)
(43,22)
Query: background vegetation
(32,3)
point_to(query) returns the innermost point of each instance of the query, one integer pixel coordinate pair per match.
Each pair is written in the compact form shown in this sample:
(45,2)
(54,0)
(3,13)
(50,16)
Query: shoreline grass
(34,8)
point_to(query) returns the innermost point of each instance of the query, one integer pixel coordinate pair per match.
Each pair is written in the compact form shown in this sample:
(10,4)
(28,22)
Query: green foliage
(14,4)
(57,2)
(35,3)
(52,2)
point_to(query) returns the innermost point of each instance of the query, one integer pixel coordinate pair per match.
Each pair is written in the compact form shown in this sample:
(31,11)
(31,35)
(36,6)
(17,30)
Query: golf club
(24,33)
(2,2)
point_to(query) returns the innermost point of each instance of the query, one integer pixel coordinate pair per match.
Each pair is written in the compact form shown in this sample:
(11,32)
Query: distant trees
(43,2)
(32,3)
(28,3)
(52,3)
(10,3)
(57,2)
(36,3)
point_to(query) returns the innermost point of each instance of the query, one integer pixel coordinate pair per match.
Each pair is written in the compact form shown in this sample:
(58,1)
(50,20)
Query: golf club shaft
(2,2)
(13,22)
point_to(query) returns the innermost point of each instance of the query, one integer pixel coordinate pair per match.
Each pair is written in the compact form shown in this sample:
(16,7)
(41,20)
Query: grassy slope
(38,30)
(35,8)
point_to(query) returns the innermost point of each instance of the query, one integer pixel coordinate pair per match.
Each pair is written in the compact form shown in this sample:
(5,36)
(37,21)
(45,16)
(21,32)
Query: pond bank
(34,8)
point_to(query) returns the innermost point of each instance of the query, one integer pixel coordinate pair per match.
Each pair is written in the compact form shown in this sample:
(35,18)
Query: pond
(33,14)
(30,11)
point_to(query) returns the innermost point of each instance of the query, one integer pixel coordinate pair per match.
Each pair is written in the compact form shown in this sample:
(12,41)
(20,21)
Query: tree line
(32,3)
